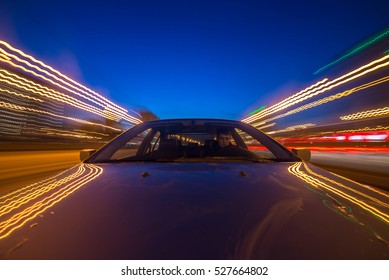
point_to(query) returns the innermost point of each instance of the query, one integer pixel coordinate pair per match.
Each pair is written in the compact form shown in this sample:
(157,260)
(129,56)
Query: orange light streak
(122,114)
(20,95)
(100,100)
(30,86)
(22,108)
(89,173)
(292,128)
(32,193)
(366,114)
(327,99)
(323,88)
(290,98)
(317,183)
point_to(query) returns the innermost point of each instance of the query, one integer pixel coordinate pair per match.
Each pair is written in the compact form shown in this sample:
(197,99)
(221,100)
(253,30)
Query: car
(168,189)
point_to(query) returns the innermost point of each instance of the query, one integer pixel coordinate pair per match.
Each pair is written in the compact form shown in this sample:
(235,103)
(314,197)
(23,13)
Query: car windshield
(192,141)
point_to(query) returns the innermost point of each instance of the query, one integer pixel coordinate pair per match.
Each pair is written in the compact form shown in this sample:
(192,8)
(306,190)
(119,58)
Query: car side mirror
(85,153)
(303,153)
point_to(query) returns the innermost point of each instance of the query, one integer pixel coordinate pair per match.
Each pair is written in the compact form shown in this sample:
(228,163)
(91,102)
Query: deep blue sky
(191,58)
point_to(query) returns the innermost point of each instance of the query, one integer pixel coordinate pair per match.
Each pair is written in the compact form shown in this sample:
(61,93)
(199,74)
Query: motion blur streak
(359,48)
(291,128)
(21,95)
(323,88)
(41,105)
(33,191)
(52,94)
(94,97)
(276,106)
(42,199)
(367,114)
(21,108)
(328,99)
(317,182)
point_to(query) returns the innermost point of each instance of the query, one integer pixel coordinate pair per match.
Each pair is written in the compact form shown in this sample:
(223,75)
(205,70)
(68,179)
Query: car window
(255,146)
(186,142)
(131,147)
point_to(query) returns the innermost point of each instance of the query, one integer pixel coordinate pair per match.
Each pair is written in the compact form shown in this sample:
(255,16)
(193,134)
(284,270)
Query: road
(21,168)
(371,168)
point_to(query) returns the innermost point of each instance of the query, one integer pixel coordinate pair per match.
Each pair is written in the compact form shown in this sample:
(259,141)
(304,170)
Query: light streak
(85,131)
(91,96)
(257,110)
(292,128)
(20,95)
(67,133)
(367,114)
(327,99)
(319,183)
(88,93)
(306,94)
(30,86)
(39,202)
(22,108)
(379,127)
(266,126)
(273,107)
(356,50)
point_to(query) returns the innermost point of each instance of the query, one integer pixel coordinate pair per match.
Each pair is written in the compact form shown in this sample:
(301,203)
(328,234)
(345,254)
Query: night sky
(194,58)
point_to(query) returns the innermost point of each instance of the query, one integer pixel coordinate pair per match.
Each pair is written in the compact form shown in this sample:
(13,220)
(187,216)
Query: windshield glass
(180,142)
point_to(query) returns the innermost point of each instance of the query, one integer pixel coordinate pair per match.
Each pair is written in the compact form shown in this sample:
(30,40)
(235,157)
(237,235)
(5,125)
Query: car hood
(231,210)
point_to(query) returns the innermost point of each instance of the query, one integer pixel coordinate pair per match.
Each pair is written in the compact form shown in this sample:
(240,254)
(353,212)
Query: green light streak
(257,110)
(387,51)
(357,49)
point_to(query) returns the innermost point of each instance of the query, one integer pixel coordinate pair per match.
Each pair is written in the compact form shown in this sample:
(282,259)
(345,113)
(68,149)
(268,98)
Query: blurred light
(257,110)
(292,128)
(22,108)
(316,89)
(27,203)
(357,49)
(64,82)
(356,138)
(367,114)
(328,99)
(368,203)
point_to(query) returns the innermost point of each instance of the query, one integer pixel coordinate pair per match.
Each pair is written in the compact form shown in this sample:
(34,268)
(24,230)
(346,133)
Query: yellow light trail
(90,94)
(94,94)
(320,184)
(327,99)
(22,108)
(361,71)
(109,107)
(30,194)
(67,133)
(266,126)
(288,99)
(364,129)
(377,201)
(85,131)
(380,112)
(20,95)
(88,173)
(30,86)
(292,128)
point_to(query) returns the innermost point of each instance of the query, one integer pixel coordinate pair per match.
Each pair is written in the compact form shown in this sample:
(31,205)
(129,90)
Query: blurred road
(21,168)
(371,168)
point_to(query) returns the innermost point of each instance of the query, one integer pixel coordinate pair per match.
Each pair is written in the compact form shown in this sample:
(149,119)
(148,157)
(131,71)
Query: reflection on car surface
(167,189)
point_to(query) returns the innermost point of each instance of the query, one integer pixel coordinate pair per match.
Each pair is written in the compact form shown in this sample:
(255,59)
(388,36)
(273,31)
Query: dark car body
(131,200)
